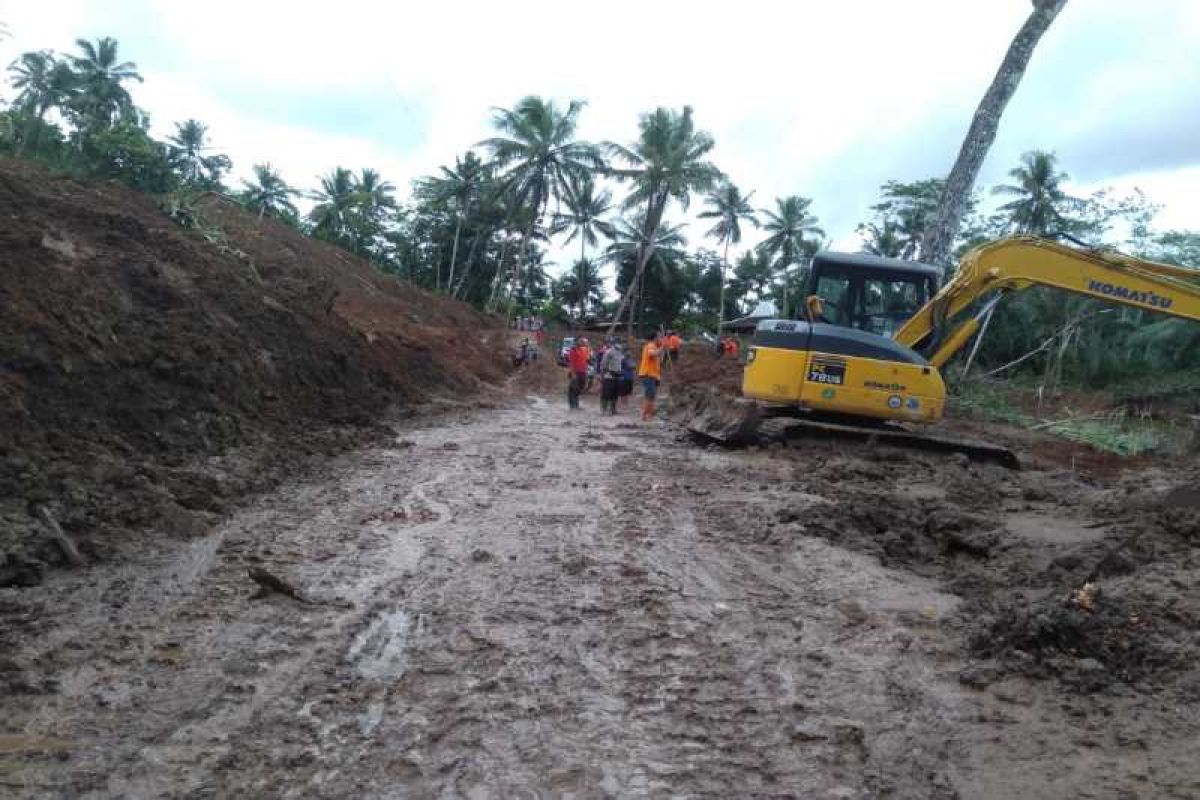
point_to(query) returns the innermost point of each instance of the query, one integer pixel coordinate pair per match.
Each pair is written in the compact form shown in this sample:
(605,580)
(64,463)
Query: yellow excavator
(877,333)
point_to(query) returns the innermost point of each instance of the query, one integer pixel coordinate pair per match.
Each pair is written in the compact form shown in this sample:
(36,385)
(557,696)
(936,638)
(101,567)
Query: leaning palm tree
(939,239)
(1039,198)
(631,243)
(786,227)
(668,161)
(728,206)
(268,193)
(102,98)
(537,155)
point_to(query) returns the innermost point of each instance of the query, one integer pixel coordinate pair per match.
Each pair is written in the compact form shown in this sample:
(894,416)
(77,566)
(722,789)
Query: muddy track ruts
(526,601)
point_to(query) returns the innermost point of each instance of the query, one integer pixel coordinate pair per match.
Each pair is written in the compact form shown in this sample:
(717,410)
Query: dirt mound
(1118,638)
(1015,546)
(698,365)
(152,375)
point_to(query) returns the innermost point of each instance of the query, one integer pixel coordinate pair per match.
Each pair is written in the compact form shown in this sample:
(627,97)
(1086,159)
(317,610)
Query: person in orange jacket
(673,343)
(650,372)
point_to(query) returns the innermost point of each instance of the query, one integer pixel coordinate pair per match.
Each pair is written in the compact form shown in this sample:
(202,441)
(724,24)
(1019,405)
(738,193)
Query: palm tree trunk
(462,281)
(939,236)
(721,293)
(582,294)
(498,281)
(515,284)
(653,218)
(454,250)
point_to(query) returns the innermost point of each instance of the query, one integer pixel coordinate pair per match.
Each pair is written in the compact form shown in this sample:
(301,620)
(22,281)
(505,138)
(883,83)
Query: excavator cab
(841,357)
(868,293)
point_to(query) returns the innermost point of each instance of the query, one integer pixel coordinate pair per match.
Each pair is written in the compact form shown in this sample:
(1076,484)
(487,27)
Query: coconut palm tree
(668,161)
(537,155)
(728,206)
(786,227)
(333,216)
(883,239)
(186,150)
(268,193)
(373,201)
(102,98)
(42,82)
(939,239)
(630,239)
(460,186)
(1039,198)
(584,217)
(582,286)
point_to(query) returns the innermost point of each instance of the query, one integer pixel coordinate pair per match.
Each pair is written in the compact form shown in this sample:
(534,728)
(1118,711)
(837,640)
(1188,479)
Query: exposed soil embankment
(150,375)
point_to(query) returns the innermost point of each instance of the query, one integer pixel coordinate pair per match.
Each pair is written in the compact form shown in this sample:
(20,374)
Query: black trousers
(609,389)
(575,388)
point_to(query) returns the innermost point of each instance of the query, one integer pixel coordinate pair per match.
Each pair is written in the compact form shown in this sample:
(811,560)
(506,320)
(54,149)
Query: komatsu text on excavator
(877,331)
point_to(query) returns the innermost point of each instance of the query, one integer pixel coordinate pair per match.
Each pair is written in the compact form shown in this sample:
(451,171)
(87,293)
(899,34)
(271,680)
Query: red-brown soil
(150,375)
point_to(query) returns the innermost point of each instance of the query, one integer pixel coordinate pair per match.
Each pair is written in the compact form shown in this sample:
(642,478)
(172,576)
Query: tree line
(481,229)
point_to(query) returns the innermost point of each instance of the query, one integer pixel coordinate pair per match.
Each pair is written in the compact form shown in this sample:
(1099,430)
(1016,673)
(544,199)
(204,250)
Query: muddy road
(526,602)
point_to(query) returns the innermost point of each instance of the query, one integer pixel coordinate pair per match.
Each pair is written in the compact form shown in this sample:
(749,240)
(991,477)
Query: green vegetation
(1113,434)
(1114,431)
(481,229)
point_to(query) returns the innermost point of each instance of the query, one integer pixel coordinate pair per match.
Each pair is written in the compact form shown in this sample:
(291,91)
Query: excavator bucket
(716,415)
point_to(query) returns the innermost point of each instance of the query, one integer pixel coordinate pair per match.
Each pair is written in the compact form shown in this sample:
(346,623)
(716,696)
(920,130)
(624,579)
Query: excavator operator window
(876,301)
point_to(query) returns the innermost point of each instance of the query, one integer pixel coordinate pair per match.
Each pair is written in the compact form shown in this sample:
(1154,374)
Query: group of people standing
(614,364)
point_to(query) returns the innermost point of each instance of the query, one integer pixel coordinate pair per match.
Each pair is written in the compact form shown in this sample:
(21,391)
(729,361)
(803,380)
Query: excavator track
(727,420)
(795,428)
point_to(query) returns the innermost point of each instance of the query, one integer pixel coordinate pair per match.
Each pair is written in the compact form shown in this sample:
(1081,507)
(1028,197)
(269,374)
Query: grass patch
(988,403)
(1114,432)
(1110,435)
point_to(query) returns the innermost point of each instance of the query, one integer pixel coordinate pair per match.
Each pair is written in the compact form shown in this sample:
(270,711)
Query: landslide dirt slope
(150,375)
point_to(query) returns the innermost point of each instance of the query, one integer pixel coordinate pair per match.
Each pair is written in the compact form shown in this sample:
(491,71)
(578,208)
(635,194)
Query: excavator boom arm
(1019,262)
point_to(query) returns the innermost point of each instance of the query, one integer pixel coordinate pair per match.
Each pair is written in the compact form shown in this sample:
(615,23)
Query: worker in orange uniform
(731,347)
(650,372)
(591,359)
(673,344)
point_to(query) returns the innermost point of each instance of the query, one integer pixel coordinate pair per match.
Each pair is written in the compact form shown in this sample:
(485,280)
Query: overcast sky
(824,99)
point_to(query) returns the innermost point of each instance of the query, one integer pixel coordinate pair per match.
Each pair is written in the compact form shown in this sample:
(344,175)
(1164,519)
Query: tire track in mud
(546,604)
(540,605)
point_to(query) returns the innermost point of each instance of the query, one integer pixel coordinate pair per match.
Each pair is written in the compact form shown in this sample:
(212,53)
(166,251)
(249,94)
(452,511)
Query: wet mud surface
(527,602)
